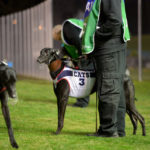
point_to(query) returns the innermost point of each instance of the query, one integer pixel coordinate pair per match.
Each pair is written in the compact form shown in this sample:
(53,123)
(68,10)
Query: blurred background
(26,28)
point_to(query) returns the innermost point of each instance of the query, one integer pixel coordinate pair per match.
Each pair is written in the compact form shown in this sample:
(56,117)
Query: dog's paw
(15,145)
(57,132)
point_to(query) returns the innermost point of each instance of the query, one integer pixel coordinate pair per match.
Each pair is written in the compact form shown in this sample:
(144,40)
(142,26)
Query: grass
(34,120)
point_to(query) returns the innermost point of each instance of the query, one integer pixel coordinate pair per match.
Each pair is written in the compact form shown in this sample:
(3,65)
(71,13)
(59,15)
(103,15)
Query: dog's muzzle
(14,96)
(44,59)
(39,60)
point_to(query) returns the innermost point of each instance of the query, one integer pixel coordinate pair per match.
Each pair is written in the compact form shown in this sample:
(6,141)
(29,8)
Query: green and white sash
(91,18)
(126,34)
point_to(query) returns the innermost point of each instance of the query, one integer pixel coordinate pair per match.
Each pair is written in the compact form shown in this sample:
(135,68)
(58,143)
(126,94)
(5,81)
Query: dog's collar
(54,74)
(2,89)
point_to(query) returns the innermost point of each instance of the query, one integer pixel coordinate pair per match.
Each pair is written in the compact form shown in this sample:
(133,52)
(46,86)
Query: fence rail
(23,35)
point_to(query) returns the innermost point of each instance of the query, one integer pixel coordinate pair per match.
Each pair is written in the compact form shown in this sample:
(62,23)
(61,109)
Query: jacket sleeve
(110,19)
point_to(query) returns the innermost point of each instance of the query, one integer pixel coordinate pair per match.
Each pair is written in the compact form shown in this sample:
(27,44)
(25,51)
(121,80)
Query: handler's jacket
(81,82)
(70,36)
(105,26)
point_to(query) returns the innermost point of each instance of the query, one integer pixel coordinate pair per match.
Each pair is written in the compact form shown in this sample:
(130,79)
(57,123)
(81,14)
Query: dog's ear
(57,52)
(52,50)
(45,50)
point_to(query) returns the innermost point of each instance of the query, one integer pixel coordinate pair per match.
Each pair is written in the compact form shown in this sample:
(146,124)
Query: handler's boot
(81,102)
(114,135)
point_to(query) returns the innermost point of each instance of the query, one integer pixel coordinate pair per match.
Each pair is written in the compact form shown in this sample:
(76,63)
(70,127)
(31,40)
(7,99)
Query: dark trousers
(110,70)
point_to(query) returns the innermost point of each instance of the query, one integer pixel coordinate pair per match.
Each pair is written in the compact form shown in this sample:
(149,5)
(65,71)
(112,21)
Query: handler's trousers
(110,70)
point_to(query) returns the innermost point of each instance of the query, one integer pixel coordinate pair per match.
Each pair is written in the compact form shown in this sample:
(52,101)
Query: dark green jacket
(108,38)
(110,28)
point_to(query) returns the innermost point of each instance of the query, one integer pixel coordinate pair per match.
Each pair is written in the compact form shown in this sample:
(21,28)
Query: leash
(96,128)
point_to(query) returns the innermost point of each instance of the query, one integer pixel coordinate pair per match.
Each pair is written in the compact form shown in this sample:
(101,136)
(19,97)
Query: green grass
(34,120)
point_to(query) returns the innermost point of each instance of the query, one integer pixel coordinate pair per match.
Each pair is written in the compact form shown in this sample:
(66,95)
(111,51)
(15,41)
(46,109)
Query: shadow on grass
(26,130)
(42,131)
(72,133)
(52,101)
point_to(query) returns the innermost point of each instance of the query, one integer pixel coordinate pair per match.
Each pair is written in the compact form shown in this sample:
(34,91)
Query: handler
(105,34)
(69,34)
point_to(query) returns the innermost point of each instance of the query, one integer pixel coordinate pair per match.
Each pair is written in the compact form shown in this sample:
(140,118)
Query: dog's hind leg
(130,105)
(133,120)
(5,111)
(62,93)
(141,119)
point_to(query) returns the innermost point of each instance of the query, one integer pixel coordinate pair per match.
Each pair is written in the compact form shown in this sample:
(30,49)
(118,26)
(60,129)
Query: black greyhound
(7,87)
(52,58)
(130,105)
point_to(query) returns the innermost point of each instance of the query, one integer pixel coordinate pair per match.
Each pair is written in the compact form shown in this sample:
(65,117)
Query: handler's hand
(83,57)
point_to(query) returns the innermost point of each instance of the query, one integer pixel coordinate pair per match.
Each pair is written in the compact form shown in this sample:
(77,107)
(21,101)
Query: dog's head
(47,55)
(8,80)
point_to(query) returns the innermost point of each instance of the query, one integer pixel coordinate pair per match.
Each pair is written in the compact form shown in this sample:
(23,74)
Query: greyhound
(7,87)
(63,89)
(130,105)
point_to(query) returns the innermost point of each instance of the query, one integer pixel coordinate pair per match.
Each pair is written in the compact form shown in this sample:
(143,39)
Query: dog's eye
(44,54)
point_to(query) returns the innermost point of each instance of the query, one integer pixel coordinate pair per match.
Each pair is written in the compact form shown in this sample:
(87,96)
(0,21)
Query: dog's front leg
(62,93)
(5,111)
